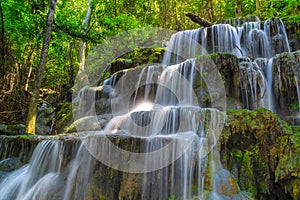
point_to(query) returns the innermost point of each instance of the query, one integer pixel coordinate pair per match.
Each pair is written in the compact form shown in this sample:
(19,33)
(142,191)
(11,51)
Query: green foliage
(172,197)
(113,25)
(24,23)
(63,116)
(284,9)
(294,106)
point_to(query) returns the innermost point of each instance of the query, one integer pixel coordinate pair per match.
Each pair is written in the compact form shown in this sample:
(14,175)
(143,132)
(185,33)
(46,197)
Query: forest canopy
(23,22)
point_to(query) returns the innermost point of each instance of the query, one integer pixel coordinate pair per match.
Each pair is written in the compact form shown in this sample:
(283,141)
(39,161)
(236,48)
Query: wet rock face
(15,151)
(239,21)
(293,32)
(244,80)
(20,147)
(10,164)
(236,81)
(12,129)
(135,58)
(260,151)
(285,82)
(224,184)
(292,29)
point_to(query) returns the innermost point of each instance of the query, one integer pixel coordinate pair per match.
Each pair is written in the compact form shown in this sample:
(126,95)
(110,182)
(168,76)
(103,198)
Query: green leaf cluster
(24,23)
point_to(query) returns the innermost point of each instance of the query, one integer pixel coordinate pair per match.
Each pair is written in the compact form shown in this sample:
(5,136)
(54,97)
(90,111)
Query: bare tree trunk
(28,78)
(2,58)
(71,70)
(31,117)
(85,27)
(115,8)
(257,7)
(239,9)
(211,10)
(27,63)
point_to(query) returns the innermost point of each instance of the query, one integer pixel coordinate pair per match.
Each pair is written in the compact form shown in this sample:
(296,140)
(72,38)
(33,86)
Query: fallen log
(199,20)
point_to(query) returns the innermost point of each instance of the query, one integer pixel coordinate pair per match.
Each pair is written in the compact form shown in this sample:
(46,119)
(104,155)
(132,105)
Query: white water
(34,180)
(247,40)
(173,115)
(266,66)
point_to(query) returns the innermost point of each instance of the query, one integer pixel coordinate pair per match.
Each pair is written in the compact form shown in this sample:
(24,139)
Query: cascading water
(266,66)
(164,112)
(31,181)
(253,40)
(251,79)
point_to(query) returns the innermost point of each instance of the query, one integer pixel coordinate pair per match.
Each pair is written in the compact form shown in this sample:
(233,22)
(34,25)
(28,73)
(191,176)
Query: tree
(2,57)
(31,116)
(85,27)
(22,28)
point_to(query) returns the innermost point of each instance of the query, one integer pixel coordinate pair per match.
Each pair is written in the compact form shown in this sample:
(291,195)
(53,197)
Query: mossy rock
(261,146)
(16,128)
(288,169)
(18,146)
(10,164)
(224,184)
(139,56)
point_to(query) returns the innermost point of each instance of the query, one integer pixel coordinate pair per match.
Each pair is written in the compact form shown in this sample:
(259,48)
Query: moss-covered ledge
(22,146)
(262,153)
(18,146)
(260,150)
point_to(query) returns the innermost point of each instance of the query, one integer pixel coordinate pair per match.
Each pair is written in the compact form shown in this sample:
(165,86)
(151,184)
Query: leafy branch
(73,34)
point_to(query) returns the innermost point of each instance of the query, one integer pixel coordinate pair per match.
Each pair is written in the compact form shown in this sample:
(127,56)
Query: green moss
(133,59)
(21,137)
(294,106)
(64,116)
(296,129)
(172,197)
(293,186)
(261,146)
(29,136)
(245,175)
(130,186)
(295,139)
(145,55)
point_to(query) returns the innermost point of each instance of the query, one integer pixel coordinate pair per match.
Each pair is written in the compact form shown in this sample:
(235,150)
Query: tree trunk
(257,7)
(28,78)
(31,117)
(27,63)
(2,58)
(85,27)
(71,70)
(239,8)
(211,10)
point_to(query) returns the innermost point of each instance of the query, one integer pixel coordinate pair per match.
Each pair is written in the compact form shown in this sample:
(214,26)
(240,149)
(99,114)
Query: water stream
(165,113)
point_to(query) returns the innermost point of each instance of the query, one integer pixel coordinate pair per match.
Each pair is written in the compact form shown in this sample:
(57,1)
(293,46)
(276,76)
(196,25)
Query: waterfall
(249,39)
(266,66)
(225,39)
(169,139)
(275,31)
(182,45)
(252,42)
(252,78)
(34,180)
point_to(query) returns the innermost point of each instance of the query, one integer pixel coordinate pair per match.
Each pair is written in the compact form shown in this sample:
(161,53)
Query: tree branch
(199,20)
(77,35)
